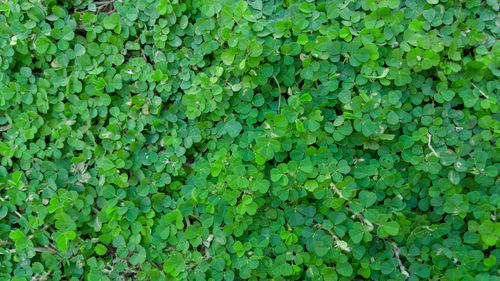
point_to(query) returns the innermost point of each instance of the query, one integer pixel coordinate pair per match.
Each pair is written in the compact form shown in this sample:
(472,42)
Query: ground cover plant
(249,140)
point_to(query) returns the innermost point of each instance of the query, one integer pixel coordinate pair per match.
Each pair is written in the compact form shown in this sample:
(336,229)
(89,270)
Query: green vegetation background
(249,140)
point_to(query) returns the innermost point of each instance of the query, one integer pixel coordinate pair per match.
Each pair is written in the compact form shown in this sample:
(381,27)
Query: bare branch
(338,242)
(402,268)
(5,128)
(430,146)
(37,249)
(480,91)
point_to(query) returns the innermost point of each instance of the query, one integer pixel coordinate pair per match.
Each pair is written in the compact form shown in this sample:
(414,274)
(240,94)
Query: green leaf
(295,218)
(228,57)
(311,185)
(362,54)
(111,21)
(119,242)
(368,198)
(255,49)
(344,269)
(454,176)
(429,14)
(95,275)
(329,274)
(392,118)
(322,245)
(175,264)
(42,44)
(233,128)
(139,257)
(306,165)
(392,228)
(100,249)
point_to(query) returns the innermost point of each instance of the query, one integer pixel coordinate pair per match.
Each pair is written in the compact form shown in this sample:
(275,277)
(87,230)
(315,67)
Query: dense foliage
(259,140)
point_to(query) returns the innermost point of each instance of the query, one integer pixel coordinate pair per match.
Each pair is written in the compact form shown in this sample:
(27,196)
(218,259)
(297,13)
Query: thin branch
(9,251)
(15,212)
(279,89)
(45,250)
(361,219)
(5,128)
(103,2)
(402,268)
(332,185)
(359,216)
(383,75)
(339,243)
(205,258)
(157,265)
(430,146)
(37,249)
(480,91)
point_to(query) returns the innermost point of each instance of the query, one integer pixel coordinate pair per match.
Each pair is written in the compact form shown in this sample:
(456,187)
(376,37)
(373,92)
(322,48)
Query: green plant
(249,140)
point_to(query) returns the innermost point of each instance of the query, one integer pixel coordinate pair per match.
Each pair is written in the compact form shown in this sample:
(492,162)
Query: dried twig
(481,91)
(5,128)
(430,146)
(339,243)
(332,185)
(402,268)
(15,212)
(37,249)
(359,216)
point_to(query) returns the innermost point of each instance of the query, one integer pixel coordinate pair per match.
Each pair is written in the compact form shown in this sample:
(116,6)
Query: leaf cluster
(249,140)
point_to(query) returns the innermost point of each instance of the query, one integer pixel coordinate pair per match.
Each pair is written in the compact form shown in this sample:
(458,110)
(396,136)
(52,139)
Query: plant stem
(402,268)
(480,91)
(430,146)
